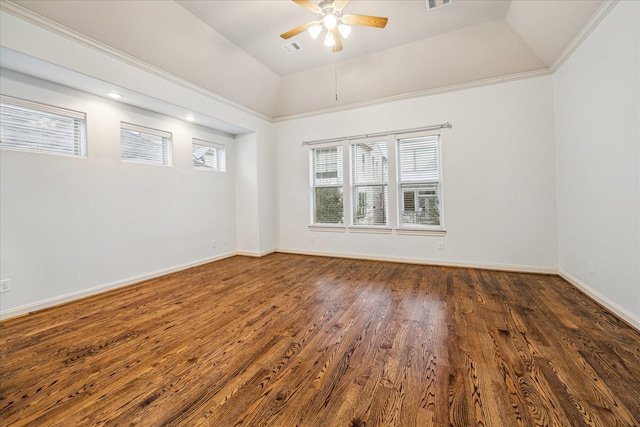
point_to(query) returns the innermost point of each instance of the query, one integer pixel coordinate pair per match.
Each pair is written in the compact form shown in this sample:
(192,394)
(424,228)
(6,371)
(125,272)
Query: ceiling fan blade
(298,30)
(369,21)
(339,4)
(311,6)
(337,47)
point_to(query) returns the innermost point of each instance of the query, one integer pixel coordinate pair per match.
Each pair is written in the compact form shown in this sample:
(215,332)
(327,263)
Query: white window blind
(145,145)
(327,196)
(30,126)
(419,177)
(208,155)
(370,175)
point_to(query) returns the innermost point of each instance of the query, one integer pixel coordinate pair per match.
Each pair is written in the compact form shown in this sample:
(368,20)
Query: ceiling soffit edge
(584,32)
(61,30)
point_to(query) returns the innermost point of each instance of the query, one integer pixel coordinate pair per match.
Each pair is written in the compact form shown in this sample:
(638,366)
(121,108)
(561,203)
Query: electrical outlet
(226,242)
(592,267)
(441,245)
(5,285)
(213,243)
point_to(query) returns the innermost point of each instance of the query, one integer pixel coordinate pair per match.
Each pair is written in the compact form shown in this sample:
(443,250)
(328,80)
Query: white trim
(406,231)
(625,315)
(370,229)
(73,296)
(52,26)
(421,93)
(584,32)
(256,254)
(426,261)
(329,228)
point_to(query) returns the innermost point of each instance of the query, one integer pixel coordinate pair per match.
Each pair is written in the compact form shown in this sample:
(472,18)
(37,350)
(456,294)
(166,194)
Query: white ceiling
(255,26)
(232,47)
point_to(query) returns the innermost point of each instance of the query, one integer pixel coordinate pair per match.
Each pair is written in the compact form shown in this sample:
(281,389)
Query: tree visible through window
(326,182)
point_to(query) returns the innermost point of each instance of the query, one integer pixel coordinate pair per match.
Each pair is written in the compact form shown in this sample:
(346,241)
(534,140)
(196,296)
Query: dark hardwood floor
(290,340)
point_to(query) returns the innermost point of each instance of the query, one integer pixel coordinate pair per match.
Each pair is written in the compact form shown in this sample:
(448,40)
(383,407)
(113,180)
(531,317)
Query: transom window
(30,126)
(208,155)
(145,145)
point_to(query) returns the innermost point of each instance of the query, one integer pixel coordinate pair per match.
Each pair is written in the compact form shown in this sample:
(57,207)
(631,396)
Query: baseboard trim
(622,313)
(478,265)
(256,254)
(73,296)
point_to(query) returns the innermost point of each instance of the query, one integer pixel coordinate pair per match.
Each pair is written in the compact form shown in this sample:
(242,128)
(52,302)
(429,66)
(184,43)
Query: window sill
(421,231)
(329,228)
(373,230)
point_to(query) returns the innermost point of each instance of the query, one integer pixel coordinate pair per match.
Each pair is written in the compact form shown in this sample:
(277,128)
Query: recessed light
(190,119)
(114,95)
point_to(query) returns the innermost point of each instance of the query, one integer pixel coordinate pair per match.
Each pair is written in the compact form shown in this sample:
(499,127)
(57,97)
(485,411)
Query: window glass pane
(326,181)
(419,176)
(370,205)
(370,162)
(145,146)
(208,155)
(370,171)
(421,205)
(42,130)
(329,207)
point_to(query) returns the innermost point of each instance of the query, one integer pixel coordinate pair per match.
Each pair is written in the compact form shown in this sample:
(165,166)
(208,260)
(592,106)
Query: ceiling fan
(331,19)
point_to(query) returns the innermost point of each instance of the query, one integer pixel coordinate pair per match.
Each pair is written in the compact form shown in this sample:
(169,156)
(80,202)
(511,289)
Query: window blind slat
(26,125)
(326,178)
(208,155)
(419,180)
(145,145)
(370,172)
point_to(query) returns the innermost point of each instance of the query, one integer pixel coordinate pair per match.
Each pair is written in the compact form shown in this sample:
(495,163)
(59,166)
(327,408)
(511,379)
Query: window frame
(394,184)
(314,185)
(418,184)
(166,138)
(56,142)
(220,155)
(357,166)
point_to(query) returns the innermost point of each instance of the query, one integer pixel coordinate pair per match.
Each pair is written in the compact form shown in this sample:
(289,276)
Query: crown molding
(422,93)
(582,35)
(60,30)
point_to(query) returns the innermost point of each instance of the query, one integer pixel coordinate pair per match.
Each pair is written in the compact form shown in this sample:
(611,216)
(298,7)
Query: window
(370,174)
(419,180)
(145,145)
(208,155)
(30,126)
(395,183)
(327,185)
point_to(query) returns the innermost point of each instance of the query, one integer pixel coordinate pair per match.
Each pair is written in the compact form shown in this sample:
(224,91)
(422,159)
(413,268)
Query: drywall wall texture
(498,173)
(597,107)
(70,224)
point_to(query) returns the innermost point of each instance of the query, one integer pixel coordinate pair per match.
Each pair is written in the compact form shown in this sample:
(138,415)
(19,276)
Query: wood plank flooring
(291,340)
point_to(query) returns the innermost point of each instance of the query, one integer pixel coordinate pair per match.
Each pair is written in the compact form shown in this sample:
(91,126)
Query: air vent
(433,4)
(291,47)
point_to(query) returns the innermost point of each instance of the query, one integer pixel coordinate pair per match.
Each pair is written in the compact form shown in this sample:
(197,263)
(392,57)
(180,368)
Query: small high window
(145,145)
(208,155)
(30,126)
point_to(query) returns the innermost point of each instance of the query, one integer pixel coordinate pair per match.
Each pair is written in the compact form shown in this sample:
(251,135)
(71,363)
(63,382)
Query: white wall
(69,225)
(498,174)
(597,102)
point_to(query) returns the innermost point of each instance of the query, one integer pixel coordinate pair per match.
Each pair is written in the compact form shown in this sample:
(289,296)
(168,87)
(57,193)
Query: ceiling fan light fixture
(315,31)
(330,21)
(344,30)
(329,40)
